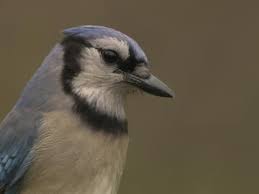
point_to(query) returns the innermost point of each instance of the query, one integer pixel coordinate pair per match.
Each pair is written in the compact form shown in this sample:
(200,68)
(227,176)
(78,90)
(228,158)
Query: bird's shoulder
(17,133)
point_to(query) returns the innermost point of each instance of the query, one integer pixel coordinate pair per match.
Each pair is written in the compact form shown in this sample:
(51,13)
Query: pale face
(96,72)
(98,82)
(101,66)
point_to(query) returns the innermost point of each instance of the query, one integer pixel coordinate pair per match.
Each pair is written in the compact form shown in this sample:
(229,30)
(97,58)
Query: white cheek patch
(119,46)
(102,91)
(90,60)
(107,100)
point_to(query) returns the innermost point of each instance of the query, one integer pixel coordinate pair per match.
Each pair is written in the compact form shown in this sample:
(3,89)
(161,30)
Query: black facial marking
(98,120)
(88,113)
(130,63)
(72,54)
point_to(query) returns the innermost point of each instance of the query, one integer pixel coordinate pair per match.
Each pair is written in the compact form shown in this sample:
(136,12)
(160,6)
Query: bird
(68,131)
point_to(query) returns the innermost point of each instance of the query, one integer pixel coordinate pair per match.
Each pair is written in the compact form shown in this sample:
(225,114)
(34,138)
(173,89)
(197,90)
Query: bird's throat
(102,113)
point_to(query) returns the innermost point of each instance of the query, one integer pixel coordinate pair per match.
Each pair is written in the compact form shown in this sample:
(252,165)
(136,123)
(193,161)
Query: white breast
(71,158)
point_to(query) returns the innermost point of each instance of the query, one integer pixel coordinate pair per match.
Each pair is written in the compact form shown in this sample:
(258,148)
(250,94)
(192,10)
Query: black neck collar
(98,120)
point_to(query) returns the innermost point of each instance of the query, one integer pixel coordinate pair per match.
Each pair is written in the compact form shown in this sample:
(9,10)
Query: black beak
(151,85)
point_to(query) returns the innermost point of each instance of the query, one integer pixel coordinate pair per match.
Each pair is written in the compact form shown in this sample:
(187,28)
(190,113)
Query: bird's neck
(103,109)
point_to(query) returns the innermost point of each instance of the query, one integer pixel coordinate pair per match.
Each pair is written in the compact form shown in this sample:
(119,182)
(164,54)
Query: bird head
(105,64)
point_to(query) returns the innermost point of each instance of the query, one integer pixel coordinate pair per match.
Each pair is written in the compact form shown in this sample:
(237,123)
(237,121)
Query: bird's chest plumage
(69,158)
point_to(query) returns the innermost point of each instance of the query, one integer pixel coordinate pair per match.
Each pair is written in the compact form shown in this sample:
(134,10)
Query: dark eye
(110,56)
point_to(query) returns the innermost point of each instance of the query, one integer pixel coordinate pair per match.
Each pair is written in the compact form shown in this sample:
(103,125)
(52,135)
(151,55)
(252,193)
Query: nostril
(142,72)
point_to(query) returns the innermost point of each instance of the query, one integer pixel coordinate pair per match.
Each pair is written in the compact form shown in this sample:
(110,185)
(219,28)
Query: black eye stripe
(128,65)
(131,62)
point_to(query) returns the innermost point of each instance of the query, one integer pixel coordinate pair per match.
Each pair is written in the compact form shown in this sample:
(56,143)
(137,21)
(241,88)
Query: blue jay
(68,131)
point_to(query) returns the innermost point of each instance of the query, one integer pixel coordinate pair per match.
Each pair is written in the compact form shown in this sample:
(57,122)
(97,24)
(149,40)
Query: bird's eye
(110,56)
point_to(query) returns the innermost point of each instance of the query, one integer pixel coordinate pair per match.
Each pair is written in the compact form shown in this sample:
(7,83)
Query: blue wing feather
(17,134)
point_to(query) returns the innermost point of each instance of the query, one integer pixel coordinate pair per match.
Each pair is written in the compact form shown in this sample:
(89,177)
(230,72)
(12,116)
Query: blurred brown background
(204,143)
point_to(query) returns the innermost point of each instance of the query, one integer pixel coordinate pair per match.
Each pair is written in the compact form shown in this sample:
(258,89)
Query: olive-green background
(204,143)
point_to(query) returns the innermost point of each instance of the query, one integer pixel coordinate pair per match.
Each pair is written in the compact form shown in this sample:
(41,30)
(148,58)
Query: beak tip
(171,94)
(152,85)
